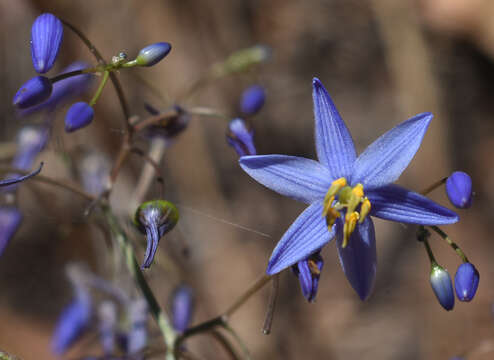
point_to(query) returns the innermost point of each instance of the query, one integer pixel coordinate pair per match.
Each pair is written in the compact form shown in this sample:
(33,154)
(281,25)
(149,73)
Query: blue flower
(240,135)
(46,38)
(343,189)
(466,281)
(459,189)
(442,286)
(152,54)
(308,272)
(252,100)
(182,308)
(33,92)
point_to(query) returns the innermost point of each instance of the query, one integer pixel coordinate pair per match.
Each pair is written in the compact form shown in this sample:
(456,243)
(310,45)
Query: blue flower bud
(137,336)
(72,323)
(46,38)
(33,92)
(241,137)
(442,286)
(308,272)
(252,100)
(459,189)
(79,115)
(466,281)
(155,218)
(152,54)
(182,307)
(65,89)
(10,219)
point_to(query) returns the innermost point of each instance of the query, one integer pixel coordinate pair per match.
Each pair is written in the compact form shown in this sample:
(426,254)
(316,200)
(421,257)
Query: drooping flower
(459,189)
(79,115)
(46,38)
(152,54)
(33,92)
(252,99)
(240,135)
(442,286)
(308,272)
(343,190)
(182,307)
(466,281)
(155,218)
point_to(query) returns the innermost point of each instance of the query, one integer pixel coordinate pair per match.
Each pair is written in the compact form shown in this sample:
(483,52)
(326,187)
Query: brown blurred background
(382,61)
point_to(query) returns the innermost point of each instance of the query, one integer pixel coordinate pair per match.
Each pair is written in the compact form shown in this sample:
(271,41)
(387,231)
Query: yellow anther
(358,190)
(335,188)
(314,270)
(349,226)
(364,210)
(331,215)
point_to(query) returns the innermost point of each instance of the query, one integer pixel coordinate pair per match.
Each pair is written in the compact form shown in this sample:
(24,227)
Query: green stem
(446,238)
(101,86)
(161,318)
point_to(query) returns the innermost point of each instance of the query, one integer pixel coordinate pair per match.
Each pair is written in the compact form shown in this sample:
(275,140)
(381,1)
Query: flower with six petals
(344,190)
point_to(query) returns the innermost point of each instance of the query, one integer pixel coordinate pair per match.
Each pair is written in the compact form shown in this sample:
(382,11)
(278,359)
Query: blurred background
(382,61)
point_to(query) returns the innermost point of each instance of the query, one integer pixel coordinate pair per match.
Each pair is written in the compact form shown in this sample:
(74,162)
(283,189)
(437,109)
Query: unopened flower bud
(46,38)
(466,281)
(79,115)
(308,272)
(137,336)
(241,137)
(72,323)
(252,100)
(182,307)
(10,219)
(442,286)
(152,54)
(155,218)
(459,189)
(33,92)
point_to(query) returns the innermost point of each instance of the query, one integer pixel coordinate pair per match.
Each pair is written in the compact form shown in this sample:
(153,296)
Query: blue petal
(358,259)
(385,159)
(334,143)
(299,178)
(392,202)
(307,234)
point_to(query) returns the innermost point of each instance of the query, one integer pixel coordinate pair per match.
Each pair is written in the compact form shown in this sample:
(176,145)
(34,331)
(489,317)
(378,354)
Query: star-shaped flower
(343,189)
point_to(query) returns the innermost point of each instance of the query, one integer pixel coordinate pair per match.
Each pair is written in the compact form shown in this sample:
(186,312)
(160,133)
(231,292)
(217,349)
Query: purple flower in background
(308,272)
(182,307)
(343,189)
(10,219)
(240,136)
(73,321)
(79,115)
(466,281)
(108,323)
(252,99)
(46,38)
(31,140)
(459,189)
(33,92)
(137,336)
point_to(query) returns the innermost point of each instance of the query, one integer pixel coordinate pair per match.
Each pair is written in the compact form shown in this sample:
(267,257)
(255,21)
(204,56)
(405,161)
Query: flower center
(342,196)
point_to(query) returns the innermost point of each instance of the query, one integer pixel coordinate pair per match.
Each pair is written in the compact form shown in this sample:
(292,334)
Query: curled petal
(334,144)
(385,159)
(299,178)
(359,258)
(392,202)
(307,234)
(8,182)
(153,239)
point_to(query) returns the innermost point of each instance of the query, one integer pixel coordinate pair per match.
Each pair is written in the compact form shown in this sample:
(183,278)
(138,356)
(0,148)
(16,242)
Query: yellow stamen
(331,216)
(314,270)
(364,210)
(349,227)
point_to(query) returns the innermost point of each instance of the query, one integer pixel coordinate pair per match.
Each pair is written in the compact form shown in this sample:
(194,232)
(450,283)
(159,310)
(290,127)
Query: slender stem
(446,238)
(161,318)
(205,111)
(48,180)
(238,339)
(155,119)
(434,186)
(250,291)
(429,252)
(225,343)
(101,60)
(268,321)
(100,88)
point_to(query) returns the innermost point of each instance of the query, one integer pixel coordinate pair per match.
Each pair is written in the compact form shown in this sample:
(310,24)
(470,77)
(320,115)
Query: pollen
(348,202)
